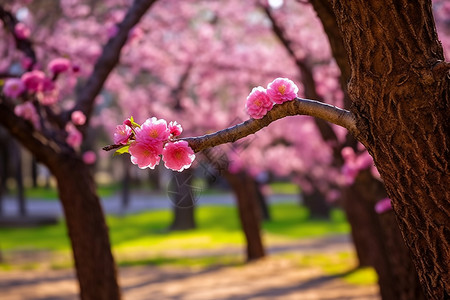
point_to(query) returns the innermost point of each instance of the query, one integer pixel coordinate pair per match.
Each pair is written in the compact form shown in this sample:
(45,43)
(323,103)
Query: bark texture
(87,230)
(400,93)
(86,225)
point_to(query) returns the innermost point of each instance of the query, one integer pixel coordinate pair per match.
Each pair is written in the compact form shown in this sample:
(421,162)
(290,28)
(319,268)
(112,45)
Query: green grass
(218,227)
(51,193)
(284,188)
(342,265)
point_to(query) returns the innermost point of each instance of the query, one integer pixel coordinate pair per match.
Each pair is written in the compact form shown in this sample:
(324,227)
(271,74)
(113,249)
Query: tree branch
(109,59)
(298,106)
(23,45)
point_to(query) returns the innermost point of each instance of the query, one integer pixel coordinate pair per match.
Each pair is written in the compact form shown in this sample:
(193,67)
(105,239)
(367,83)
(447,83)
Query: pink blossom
(364,161)
(145,154)
(383,205)
(89,157)
(26,62)
(13,87)
(258,103)
(122,134)
(112,31)
(281,90)
(153,129)
(22,31)
(59,65)
(178,156)
(33,80)
(78,118)
(75,68)
(28,112)
(74,137)
(175,128)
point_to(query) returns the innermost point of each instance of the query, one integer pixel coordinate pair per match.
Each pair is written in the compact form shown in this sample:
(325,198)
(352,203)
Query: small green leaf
(122,150)
(134,123)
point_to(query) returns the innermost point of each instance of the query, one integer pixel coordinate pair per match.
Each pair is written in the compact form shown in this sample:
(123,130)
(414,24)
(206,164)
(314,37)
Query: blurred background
(295,211)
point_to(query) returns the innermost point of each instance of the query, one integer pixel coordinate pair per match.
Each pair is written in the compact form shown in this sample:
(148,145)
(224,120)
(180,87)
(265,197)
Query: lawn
(142,238)
(218,227)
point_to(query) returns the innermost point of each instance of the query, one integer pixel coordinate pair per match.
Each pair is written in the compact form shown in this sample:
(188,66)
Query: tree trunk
(249,212)
(18,174)
(400,93)
(384,249)
(125,183)
(183,197)
(316,204)
(262,201)
(87,230)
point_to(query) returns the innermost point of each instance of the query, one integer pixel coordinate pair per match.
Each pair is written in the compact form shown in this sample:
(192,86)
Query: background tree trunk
(183,198)
(249,212)
(400,93)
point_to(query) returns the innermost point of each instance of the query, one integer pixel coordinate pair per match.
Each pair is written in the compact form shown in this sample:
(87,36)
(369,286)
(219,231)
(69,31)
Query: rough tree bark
(84,217)
(85,221)
(400,93)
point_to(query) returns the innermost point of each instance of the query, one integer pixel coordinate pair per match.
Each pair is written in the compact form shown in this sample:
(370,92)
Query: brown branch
(298,106)
(108,60)
(23,45)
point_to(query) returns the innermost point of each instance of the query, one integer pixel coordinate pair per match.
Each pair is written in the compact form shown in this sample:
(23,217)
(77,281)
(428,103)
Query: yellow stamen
(282,89)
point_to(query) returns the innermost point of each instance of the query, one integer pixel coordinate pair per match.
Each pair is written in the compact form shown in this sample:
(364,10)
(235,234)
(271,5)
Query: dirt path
(271,278)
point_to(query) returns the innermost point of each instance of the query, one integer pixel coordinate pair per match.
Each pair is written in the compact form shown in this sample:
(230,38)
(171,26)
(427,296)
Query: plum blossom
(59,65)
(281,90)
(354,163)
(153,129)
(28,112)
(78,117)
(145,154)
(175,128)
(21,31)
(258,103)
(178,156)
(74,137)
(33,80)
(13,87)
(89,157)
(383,205)
(122,134)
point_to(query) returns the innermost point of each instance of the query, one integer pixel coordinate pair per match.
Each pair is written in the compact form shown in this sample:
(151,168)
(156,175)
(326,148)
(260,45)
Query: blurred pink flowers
(34,80)
(178,156)
(258,103)
(78,118)
(28,112)
(59,65)
(383,205)
(74,137)
(281,90)
(22,31)
(13,87)
(89,157)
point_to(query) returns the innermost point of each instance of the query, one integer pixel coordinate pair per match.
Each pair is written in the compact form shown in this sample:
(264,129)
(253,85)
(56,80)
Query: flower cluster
(146,144)
(355,163)
(261,100)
